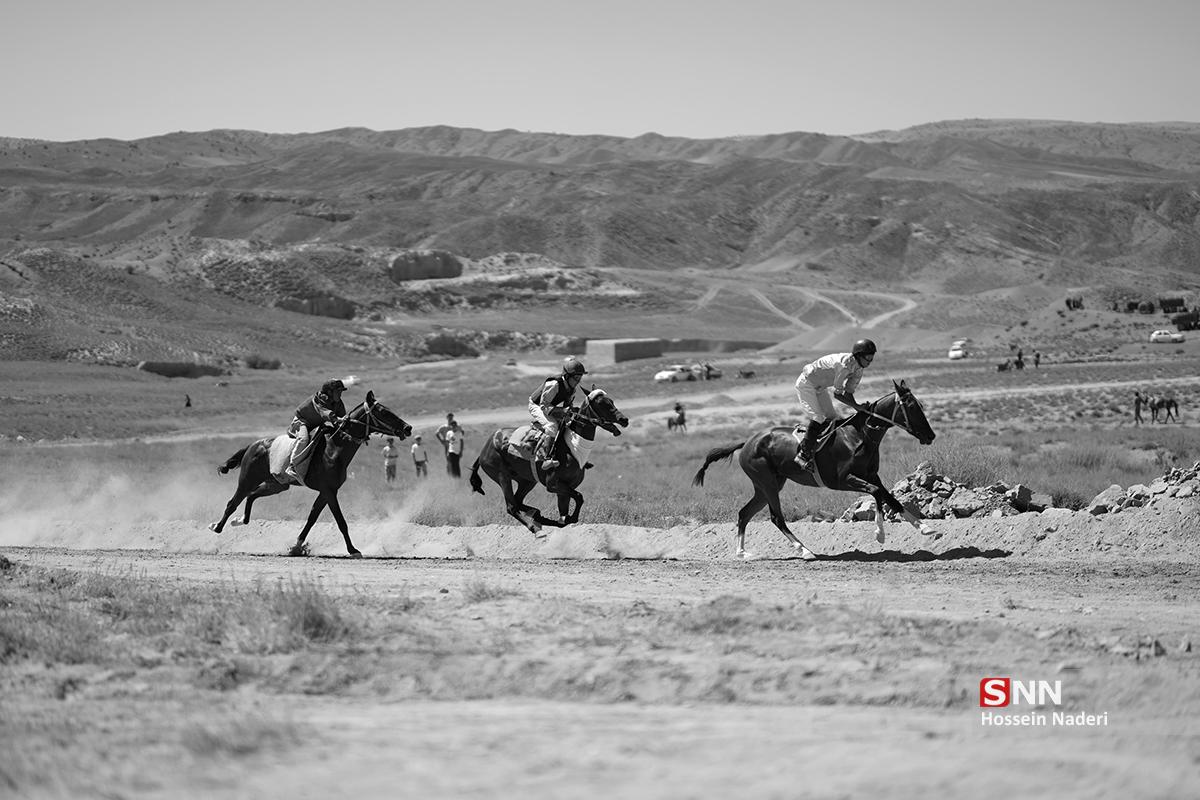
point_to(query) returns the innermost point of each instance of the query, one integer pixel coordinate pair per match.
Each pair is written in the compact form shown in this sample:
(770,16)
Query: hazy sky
(82,69)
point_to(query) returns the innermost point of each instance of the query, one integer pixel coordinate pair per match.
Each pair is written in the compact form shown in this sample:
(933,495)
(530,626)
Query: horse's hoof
(928,531)
(879,537)
(212,526)
(355,554)
(745,556)
(235,522)
(806,554)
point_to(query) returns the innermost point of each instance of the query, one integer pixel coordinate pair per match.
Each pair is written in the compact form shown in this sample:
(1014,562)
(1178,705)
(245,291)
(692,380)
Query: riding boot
(542,456)
(804,458)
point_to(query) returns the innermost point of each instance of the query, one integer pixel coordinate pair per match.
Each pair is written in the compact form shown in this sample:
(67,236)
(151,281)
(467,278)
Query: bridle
(369,423)
(590,415)
(899,406)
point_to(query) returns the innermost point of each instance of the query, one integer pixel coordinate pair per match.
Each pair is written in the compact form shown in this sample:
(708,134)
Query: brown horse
(331,455)
(1167,406)
(847,460)
(517,476)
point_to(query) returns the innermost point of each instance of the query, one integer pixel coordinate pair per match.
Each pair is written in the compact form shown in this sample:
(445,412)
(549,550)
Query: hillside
(569,235)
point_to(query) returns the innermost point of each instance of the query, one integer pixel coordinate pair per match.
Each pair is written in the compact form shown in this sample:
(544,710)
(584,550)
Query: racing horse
(332,454)
(518,476)
(847,460)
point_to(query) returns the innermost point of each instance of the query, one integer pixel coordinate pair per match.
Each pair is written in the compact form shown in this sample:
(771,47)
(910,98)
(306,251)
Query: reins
(904,426)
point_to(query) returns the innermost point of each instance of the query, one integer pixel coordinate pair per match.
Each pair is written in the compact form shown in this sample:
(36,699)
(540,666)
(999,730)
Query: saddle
(521,443)
(280,454)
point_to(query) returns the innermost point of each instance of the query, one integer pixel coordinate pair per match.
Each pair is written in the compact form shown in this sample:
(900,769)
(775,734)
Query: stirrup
(549,464)
(804,462)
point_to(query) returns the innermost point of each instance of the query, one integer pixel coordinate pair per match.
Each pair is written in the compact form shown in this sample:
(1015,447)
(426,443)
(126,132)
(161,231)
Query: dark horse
(1166,406)
(677,423)
(517,476)
(331,456)
(847,461)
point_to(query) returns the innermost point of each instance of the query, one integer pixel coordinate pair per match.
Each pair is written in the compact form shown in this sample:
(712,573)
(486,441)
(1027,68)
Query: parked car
(675,372)
(1166,337)
(960,348)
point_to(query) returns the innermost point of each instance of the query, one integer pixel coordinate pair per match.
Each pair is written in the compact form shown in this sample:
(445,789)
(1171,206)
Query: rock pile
(935,496)
(1176,482)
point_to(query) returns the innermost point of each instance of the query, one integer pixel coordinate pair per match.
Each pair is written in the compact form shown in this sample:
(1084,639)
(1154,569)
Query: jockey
(838,371)
(549,404)
(324,406)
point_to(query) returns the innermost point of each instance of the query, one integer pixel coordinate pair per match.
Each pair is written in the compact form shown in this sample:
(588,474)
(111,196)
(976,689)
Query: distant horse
(677,423)
(332,454)
(849,461)
(1005,365)
(517,476)
(1166,405)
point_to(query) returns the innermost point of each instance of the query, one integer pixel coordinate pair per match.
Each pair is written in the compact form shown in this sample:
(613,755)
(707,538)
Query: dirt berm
(1169,531)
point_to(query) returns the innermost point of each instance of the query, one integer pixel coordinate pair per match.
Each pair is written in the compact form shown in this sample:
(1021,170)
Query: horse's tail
(233,462)
(475,480)
(716,454)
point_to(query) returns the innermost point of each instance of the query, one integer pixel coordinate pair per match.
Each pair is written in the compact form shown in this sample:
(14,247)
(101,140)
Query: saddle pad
(280,455)
(521,442)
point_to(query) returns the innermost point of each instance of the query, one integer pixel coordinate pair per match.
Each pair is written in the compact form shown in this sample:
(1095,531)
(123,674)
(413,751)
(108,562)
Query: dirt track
(607,684)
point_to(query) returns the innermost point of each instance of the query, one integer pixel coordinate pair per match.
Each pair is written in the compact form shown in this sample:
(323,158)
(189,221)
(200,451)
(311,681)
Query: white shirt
(836,370)
(418,452)
(454,441)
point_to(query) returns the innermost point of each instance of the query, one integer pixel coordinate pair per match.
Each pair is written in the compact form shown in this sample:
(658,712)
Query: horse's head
(600,408)
(909,414)
(374,417)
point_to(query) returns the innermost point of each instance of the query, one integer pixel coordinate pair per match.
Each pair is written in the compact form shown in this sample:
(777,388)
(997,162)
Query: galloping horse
(331,456)
(576,438)
(848,462)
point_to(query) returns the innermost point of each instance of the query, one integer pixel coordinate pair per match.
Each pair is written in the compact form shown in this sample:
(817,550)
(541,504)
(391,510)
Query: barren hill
(313,223)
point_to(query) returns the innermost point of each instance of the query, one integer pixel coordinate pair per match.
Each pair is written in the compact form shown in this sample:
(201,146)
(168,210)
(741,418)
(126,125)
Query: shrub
(255,361)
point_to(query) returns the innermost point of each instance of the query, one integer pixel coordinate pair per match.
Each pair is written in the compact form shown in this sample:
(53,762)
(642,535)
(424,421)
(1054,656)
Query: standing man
(420,457)
(454,448)
(390,455)
(1037,359)
(1138,402)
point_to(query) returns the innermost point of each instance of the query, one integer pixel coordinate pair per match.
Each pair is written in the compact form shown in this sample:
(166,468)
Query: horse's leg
(755,505)
(238,495)
(514,502)
(336,508)
(265,490)
(317,507)
(882,496)
(564,506)
(771,490)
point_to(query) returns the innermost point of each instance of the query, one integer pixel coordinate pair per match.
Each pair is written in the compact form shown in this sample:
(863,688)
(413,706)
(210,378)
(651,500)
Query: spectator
(187,401)
(390,455)
(1138,402)
(440,433)
(454,448)
(420,457)
(1037,359)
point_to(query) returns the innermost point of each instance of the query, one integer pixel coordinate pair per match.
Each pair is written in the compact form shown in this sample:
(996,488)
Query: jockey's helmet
(863,347)
(573,366)
(333,387)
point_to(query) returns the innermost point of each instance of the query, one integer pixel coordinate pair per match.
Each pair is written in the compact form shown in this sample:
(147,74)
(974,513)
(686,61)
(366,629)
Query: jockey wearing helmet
(324,406)
(840,372)
(548,406)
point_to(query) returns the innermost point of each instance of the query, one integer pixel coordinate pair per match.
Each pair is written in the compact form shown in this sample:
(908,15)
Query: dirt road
(677,671)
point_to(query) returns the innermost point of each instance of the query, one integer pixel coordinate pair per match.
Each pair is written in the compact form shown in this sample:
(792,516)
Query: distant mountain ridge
(954,208)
